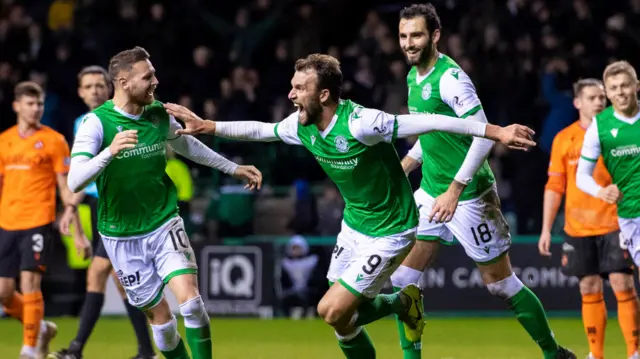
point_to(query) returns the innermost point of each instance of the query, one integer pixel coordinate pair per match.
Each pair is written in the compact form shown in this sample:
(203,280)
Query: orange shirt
(28,167)
(584,215)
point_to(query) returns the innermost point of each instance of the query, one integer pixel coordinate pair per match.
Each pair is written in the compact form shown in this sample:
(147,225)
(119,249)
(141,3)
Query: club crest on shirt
(38,145)
(426,91)
(155,121)
(342,144)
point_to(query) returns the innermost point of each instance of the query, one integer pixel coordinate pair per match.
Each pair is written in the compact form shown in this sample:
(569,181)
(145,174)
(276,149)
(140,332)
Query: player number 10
(179,237)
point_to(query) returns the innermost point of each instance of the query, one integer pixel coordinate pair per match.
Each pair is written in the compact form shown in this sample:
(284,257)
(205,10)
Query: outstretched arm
(285,130)
(189,147)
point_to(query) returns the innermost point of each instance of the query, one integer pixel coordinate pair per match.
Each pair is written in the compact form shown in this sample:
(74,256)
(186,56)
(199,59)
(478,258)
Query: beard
(311,113)
(425,54)
(141,97)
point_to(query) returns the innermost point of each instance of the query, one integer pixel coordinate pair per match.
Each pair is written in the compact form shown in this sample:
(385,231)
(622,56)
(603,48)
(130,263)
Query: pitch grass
(450,338)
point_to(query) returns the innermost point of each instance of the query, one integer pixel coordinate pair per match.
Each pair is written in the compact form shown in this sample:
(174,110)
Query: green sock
(199,340)
(180,352)
(379,307)
(360,347)
(411,350)
(531,315)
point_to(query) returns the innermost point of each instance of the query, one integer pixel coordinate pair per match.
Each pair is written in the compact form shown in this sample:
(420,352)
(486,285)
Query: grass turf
(451,338)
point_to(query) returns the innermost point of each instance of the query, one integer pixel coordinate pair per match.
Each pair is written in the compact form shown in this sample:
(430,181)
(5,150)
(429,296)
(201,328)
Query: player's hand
(65,220)
(544,244)
(610,194)
(194,125)
(445,205)
(251,175)
(83,246)
(123,140)
(516,137)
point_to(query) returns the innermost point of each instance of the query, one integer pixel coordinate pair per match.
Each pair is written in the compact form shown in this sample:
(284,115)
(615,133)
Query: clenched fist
(123,140)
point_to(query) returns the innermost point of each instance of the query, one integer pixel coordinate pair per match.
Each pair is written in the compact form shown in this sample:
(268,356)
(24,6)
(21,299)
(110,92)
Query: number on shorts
(37,242)
(483,234)
(373,262)
(179,237)
(337,250)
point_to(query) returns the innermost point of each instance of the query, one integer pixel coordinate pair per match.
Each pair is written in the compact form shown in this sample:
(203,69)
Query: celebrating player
(457,195)
(33,160)
(94,88)
(591,248)
(354,147)
(121,145)
(615,134)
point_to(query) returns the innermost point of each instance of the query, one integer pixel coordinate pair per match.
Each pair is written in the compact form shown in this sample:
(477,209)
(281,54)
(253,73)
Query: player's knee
(331,313)
(590,284)
(621,282)
(507,287)
(403,276)
(97,276)
(194,313)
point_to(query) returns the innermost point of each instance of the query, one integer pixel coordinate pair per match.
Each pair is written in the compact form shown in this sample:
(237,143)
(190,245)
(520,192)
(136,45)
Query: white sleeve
(478,152)
(591,145)
(191,148)
(86,162)
(88,139)
(370,126)
(416,152)
(587,163)
(412,125)
(457,91)
(287,130)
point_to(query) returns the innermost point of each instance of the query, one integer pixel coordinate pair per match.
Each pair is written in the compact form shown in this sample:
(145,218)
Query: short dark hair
(581,84)
(427,11)
(124,60)
(27,88)
(328,70)
(94,70)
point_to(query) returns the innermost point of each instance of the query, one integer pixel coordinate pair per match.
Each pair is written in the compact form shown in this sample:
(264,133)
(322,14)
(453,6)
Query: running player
(457,196)
(615,134)
(354,146)
(34,159)
(121,145)
(592,249)
(94,89)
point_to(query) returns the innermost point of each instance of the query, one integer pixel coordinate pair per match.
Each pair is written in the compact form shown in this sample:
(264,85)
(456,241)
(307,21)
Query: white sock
(43,327)
(28,351)
(403,276)
(348,337)
(166,335)
(194,313)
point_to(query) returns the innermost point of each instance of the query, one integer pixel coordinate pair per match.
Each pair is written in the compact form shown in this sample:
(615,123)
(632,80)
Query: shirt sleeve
(60,155)
(416,152)
(88,138)
(557,171)
(591,145)
(370,126)
(287,130)
(458,92)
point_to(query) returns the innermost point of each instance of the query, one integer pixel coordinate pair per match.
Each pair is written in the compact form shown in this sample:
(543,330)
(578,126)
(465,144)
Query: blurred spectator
(305,220)
(61,15)
(330,210)
(301,280)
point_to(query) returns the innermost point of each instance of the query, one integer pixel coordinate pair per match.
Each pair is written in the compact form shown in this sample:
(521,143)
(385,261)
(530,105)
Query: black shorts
(25,250)
(583,256)
(96,242)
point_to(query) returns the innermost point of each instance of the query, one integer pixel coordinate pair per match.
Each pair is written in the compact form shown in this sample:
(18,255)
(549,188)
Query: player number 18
(481,234)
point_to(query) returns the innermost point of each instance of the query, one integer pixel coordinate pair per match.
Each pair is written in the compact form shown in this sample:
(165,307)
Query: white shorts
(144,264)
(362,264)
(477,224)
(630,237)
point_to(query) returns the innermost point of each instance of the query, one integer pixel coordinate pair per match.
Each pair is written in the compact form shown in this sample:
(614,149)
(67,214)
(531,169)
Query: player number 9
(373,262)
